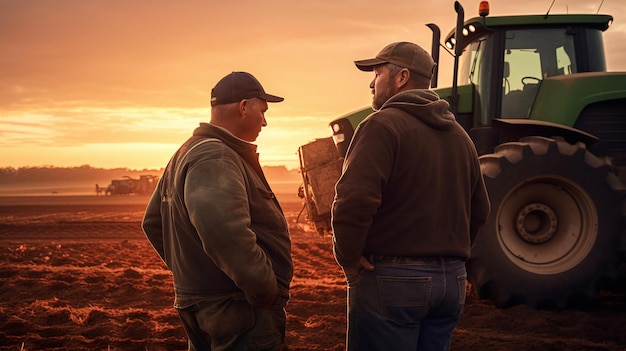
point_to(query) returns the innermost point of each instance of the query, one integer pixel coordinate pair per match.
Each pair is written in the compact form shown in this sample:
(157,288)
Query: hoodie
(411,184)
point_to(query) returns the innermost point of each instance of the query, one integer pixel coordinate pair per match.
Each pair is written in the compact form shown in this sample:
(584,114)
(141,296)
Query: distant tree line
(42,174)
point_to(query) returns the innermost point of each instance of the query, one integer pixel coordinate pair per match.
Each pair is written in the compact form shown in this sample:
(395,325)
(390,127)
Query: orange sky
(121,83)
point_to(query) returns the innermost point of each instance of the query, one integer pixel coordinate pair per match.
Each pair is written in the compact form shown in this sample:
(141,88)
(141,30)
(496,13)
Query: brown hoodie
(411,184)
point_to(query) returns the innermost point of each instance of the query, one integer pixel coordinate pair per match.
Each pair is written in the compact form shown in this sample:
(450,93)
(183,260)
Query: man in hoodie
(409,202)
(216,224)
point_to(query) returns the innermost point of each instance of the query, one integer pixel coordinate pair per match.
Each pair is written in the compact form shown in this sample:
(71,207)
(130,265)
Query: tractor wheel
(554,228)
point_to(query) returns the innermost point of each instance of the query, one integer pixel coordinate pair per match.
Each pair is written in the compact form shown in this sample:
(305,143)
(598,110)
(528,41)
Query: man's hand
(352,273)
(365,264)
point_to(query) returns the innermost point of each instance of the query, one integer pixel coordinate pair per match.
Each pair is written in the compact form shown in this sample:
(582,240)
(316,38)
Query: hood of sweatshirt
(425,105)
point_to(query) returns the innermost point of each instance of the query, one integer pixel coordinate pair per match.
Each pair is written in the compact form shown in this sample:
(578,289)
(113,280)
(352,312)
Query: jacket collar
(213,131)
(246,150)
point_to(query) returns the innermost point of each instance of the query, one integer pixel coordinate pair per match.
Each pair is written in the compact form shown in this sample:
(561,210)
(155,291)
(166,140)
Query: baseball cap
(403,54)
(237,86)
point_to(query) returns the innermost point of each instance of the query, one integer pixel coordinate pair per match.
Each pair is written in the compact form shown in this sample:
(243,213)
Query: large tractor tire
(554,228)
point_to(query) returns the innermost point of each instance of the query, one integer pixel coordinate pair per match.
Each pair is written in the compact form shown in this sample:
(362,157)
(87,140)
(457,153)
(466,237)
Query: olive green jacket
(216,224)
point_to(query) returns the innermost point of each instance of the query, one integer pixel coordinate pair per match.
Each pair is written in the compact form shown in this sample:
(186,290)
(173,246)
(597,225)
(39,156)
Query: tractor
(145,185)
(549,124)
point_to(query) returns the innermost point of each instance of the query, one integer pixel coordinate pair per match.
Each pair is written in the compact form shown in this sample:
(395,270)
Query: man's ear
(243,107)
(402,78)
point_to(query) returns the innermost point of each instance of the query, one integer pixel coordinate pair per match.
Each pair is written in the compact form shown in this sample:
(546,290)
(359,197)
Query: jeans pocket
(229,319)
(405,300)
(462,282)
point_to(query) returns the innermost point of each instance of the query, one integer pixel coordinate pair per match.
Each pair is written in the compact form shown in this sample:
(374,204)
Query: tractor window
(595,50)
(531,55)
(476,68)
(470,65)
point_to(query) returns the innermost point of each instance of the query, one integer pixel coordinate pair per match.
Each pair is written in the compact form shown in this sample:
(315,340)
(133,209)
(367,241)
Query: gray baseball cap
(403,54)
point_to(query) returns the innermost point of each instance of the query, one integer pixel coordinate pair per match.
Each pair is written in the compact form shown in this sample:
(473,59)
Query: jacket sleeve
(480,207)
(152,222)
(216,198)
(358,195)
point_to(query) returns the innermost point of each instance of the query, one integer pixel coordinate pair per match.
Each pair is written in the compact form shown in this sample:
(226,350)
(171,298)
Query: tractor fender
(514,129)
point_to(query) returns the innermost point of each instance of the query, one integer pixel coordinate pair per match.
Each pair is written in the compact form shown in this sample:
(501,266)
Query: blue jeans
(233,325)
(406,304)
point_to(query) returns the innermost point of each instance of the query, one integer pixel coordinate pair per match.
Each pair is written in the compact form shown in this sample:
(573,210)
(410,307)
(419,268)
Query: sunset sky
(121,83)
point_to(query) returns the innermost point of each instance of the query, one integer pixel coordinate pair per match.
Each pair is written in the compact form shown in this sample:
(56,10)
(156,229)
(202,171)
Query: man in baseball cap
(215,222)
(408,205)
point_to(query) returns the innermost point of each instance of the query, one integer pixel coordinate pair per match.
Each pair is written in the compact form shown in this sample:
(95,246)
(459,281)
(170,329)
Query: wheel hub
(536,223)
(547,225)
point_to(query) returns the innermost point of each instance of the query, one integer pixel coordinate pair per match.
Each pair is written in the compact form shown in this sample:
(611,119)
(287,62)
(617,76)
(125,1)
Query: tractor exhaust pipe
(458,50)
(434,52)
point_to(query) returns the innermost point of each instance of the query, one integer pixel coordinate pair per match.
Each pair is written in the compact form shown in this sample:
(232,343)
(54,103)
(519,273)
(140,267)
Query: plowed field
(76,273)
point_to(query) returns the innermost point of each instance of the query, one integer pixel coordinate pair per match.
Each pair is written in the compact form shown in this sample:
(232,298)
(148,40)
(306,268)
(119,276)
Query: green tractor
(550,125)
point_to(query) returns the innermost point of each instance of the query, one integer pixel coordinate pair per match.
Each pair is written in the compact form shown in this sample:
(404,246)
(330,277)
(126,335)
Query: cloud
(81,73)
(87,125)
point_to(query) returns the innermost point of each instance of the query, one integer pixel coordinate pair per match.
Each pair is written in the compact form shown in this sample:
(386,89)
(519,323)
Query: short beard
(390,90)
(379,100)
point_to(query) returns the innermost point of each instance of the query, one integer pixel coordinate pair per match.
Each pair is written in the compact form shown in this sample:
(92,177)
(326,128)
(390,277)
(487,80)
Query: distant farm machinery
(131,186)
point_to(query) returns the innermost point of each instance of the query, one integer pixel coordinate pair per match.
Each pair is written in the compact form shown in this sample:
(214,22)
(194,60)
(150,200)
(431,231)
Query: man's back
(407,204)
(414,169)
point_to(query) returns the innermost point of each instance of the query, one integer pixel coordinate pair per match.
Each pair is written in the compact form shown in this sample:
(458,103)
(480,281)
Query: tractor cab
(506,59)
(509,73)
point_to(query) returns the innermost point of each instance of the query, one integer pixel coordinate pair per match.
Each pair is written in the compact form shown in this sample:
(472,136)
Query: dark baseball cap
(237,86)
(403,54)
